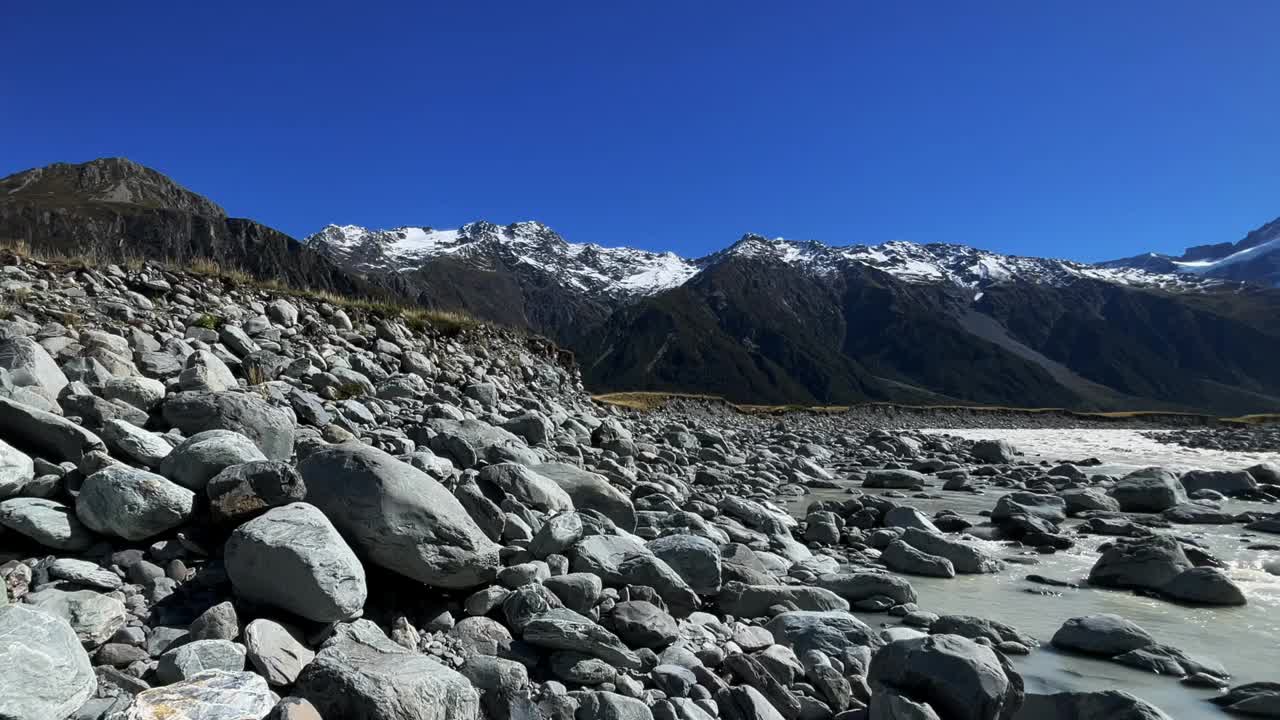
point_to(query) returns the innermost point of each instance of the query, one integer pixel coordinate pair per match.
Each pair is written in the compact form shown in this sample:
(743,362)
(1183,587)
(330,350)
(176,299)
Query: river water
(1246,640)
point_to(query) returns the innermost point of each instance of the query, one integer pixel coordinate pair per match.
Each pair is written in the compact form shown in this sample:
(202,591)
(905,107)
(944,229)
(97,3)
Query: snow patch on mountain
(628,272)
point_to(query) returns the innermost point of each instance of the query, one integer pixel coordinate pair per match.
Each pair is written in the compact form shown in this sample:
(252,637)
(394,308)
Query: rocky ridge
(220,501)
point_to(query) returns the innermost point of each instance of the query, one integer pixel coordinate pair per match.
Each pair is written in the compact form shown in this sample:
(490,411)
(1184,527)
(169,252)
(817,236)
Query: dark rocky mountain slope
(114,209)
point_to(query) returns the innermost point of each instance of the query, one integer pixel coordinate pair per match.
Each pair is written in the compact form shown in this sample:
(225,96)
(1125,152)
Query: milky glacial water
(1246,640)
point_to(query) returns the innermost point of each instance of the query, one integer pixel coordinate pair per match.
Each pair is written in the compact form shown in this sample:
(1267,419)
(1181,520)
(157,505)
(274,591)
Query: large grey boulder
(1204,586)
(1078,705)
(398,516)
(858,586)
(895,479)
(964,557)
(1259,699)
(140,392)
(242,492)
(959,678)
(751,601)
(200,457)
(1045,507)
(1145,563)
(93,616)
(53,436)
(132,504)
(275,651)
(208,695)
(1227,482)
(469,442)
(30,366)
(904,558)
(16,471)
(527,486)
(994,451)
(46,672)
(269,427)
(205,372)
(1151,490)
(830,632)
(564,629)
(620,560)
(190,659)
(364,676)
(591,491)
(696,559)
(292,558)
(1103,634)
(130,442)
(47,522)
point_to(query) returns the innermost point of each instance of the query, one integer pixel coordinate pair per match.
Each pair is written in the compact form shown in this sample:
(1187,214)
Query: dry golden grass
(648,401)
(419,319)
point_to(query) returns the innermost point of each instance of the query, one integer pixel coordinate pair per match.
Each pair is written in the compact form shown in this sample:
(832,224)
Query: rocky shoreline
(222,502)
(1254,438)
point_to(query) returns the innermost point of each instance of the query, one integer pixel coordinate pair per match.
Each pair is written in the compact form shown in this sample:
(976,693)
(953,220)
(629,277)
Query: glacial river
(1246,640)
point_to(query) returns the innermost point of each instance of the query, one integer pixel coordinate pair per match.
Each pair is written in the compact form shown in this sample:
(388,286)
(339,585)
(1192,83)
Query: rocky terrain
(764,320)
(223,502)
(1250,438)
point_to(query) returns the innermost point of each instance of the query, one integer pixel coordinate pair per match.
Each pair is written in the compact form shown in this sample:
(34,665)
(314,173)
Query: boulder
(1228,482)
(591,491)
(1103,634)
(696,559)
(1145,563)
(200,457)
(275,651)
(242,492)
(564,629)
(292,558)
(190,659)
(959,678)
(398,516)
(964,557)
(750,601)
(132,504)
(858,586)
(530,488)
(16,471)
(373,678)
(131,442)
(1077,705)
(901,557)
(47,522)
(30,366)
(269,427)
(994,451)
(830,632)
(469,442)
(1259,699)
(208,695)
(47,674)
(894,480)
(93,616)
(53,436)
(1149,490)
(1204,586)
(1045,507)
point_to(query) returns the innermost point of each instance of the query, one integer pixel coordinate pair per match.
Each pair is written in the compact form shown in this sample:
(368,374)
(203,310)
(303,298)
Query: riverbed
(1246,639)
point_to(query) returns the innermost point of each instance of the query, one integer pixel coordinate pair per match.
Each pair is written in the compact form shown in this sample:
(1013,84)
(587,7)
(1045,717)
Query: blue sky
(1084,129)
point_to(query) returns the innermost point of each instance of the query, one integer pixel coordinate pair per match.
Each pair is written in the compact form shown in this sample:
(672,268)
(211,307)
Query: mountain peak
(106,180)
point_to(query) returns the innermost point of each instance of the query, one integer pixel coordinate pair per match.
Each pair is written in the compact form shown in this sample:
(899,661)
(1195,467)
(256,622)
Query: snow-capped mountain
(525,245)
(1255,259)
(958,265)
(620,272)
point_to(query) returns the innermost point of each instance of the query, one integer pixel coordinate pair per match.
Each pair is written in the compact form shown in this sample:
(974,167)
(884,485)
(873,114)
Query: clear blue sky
(1089,129)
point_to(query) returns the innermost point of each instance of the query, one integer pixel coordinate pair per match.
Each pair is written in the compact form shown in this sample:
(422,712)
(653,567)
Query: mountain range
(764,320)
